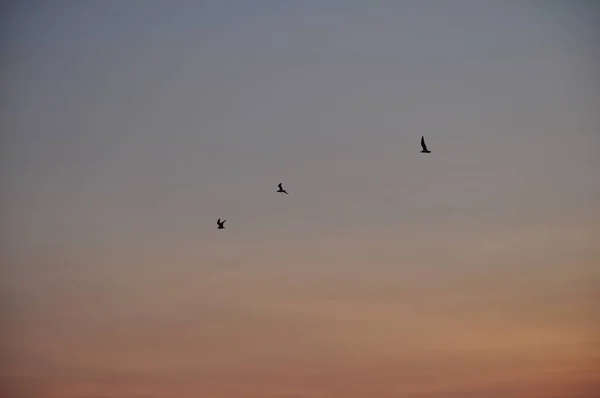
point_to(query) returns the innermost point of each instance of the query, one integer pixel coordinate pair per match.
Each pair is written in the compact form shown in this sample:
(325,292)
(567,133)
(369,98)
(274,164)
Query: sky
(128,128)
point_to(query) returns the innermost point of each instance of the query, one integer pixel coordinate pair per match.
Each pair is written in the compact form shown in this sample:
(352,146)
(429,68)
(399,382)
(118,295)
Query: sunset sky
(129,127)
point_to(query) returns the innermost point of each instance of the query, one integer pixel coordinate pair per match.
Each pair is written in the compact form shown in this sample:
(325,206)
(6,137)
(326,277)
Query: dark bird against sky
(281,189)
(425,150)
(221,224)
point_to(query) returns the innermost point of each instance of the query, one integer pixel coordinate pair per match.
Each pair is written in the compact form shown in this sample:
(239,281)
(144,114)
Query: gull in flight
(281,189)
(220,224)
(425,150)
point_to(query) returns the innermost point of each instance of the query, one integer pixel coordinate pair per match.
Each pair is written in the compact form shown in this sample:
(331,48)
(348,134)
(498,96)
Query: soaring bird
(220,224)
(425,150)
(281,189)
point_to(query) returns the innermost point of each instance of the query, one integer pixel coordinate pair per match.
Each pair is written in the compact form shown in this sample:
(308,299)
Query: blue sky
(130,127)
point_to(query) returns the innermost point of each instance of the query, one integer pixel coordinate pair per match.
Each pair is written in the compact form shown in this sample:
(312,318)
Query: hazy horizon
(128,129)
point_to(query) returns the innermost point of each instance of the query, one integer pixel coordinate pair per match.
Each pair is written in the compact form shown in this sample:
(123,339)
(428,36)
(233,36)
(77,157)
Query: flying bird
(220,224)
(425,150)
(281,189)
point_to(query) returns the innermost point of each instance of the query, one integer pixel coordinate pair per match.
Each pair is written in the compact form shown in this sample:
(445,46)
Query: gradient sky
(128,128)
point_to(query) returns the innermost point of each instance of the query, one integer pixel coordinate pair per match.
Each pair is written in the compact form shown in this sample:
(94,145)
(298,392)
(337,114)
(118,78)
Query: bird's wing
(280,185)
(223,222)
(423,143)
(219,221)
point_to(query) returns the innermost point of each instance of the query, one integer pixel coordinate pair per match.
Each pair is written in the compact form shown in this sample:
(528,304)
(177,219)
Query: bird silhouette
(425,150)
(281,189)
(220,224)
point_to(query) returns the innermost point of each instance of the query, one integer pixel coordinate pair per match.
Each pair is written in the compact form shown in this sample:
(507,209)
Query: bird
(220,224)
(425,150)
(281,189)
